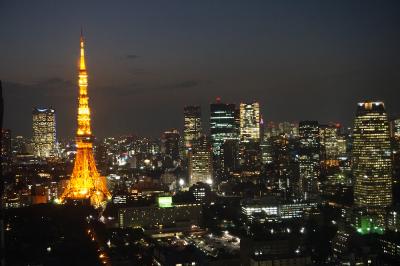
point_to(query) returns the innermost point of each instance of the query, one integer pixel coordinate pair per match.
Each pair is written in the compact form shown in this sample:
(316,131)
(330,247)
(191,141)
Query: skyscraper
(6,152)
(329,140)
(200,162)
(371,157)
(85,182)
(250,153)
(309,158)
(395,136)
(396,128)
(44,132)
(222,124)
(170,143)
(223,127)
(250,122)
(192,124)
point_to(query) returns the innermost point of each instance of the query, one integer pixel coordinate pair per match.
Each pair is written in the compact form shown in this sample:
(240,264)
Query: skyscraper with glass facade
(222,125)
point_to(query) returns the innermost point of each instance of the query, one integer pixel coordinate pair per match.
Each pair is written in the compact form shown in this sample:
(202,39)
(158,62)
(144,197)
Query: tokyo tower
(85,182)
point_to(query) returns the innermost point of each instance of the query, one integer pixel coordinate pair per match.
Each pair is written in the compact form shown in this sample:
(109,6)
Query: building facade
(309,158)
(223,125)
(200,162)
(44,132)
(6,151)
(250,122)
(170,143)
(371,156)
(192,124)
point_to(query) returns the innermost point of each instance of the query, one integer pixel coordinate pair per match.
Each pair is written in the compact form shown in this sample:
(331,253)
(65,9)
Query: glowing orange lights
(85,182)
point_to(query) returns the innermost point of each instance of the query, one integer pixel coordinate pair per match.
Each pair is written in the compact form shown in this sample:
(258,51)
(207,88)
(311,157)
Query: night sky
(301,60)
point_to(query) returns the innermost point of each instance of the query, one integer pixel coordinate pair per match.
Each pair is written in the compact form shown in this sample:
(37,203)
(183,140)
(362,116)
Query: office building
(44,132)
(192,124)
(272,209)
(170,143)
(222,125)
(164,214)
(250,131)
(395,129)
(6,151)
(200,162)
(329,141)
(309,158)
(371,157)
(201,192)
(250,122)
(230,153)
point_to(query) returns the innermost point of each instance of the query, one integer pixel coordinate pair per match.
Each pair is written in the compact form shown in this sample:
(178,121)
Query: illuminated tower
(371,155)
(85,183)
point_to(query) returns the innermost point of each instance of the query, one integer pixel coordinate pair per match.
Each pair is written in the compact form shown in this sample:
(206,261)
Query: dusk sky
(302,60)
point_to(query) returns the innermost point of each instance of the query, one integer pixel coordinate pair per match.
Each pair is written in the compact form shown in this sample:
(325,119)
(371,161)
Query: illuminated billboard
(165,201)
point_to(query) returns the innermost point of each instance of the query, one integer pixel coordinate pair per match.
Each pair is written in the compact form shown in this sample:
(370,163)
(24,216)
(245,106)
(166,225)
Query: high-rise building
(19,145)
(222,124)
(170,143)
(192,126)
(223,127)
(371,156)
(6,152)
(266,150)
(288,129)
(200,162)
(329,140)
(230,151)
(44,132)
(395,137)
(395,128)
(271,130)
(250,122)
(85,182)
(309,158)
(250,153)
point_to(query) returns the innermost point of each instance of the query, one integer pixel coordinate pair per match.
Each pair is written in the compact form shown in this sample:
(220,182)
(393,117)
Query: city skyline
(227,132)
(284,56)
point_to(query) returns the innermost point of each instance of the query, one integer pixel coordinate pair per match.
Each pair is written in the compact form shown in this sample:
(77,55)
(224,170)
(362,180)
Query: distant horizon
(205,122)
(300,61)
